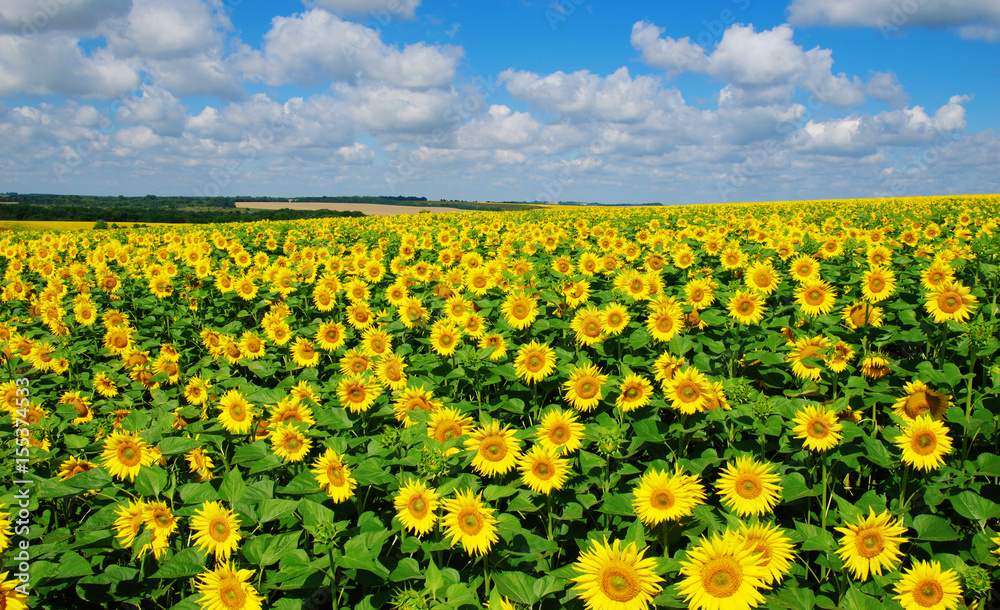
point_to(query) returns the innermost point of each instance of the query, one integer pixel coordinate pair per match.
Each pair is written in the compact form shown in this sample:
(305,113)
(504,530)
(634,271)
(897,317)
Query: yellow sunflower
(857,315)
(614,318)
(746,307)
(391,371)
(74,466)
(950,301)
(534,362)
(921,400)
(447,423)
(612,577)
(125,454)
(871,544)
(332,474)
(925,586)
(469,521)
(496,449)
(688,390)
(587,325)
(520,310)
(774,547)
(700,293)
(818,428)
(665,322)
(749,487)
(304,353)
(416,505)
(414,399)
(661,496)
(236,413)
(583,388)
(809,347)
(761,277)
(289,443)
(879,284)
(815,297)
(227,588)
(634,391)
(331,335)
(543,470)
(924,442)
(496,342)
(723,573)
(804,267)
(131,518)
(559,431)
(216,530)
(357,392)
(445,337)
(10,596)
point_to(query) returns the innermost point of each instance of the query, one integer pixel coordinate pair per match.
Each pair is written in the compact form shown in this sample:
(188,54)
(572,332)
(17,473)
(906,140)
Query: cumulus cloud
(500,128)
(679,55)
(317,46)
(164,30)
(157,109)
(979,19)
(886,87)
(381,10)
(30,17)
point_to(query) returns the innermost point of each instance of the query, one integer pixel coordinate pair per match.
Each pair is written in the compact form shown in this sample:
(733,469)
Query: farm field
(775,405)
(62,225)
(370,209)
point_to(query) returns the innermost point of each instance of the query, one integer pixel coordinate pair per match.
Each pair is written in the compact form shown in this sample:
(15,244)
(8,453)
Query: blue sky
(586,100)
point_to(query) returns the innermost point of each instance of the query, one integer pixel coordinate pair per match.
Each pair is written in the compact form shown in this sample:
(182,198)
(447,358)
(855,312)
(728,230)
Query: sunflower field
(776,405)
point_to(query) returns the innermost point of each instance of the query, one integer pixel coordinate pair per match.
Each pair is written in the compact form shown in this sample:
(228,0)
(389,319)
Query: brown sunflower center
(418,507)
(924,443)
(336,475)
(949,302)
(534,363)
(129,455)
(471,523)
(543,470)
(869,543)
(749,487)
(722,577)
(231,594)
(587,389)
(620,582)
(662,499)
(219,530)
(928,593)
(494,449)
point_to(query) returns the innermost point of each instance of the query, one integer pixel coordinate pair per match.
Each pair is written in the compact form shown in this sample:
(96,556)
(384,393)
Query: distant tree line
(145,215)
(182,202)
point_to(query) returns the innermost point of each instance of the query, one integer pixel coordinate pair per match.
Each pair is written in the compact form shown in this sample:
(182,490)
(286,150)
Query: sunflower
(857,315)
(666,365)
(237,414)
(10,596)
(291,408)
(5,530)
(105,386)
(520,310)
(808,347)
(416,505)
(587,325)
(815,297)
(804,267)
(839,356)
(390,371)
(925,586)
(583,388)
(131,518)
(749,487)
(535,361)
(700,293)
(938,273)
(723,573)
(357,392)
(496,342)
(196,391)
(376,342)
(665,322)
(74,466)
(879,284)
(125,454)
(688,390)
(923,442)
(746,307)
(543,470)
(661,496)
(731,258)
(200,463)
(216,530)
(875,367)
(774,547)
(470,522)
(950,301)
(331,335)
(354,362)
(634,391)
(871,544)
(289,443)
(414,399)
(761,277)
(445,337)
(304,353)
(921,400)
(332,474)
(818,428)
(448,423)
(162,524)
(227,588)
(559,431)
(612,577)
(496,450)
(251,346)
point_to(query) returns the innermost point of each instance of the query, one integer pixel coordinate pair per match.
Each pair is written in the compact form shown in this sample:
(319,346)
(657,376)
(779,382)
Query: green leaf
(151,481)
(72,565)
(972,506)
(177,444)
(932,527)
(233,488)
(273,510)
(186,563)
(988,464)
(279,546)
(877,453)
(815,538)
(432,578)
(794,487)
(517,586)
(618,504)
(406,569)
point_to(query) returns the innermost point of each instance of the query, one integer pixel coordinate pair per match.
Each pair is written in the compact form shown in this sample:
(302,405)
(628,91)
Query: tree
(100,224)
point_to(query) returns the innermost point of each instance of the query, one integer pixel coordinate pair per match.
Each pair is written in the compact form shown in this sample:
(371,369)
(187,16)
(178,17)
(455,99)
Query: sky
(567,100)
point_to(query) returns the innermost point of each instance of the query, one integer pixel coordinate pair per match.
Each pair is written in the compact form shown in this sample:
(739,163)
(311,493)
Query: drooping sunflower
(612,577)
(662,496)
(688,390)
(520,310)
(131,518)
(925,586)
(125,454)
(289,443)
(496,449)
(634,391)
(875,367)
(559,431)
(74,466)
(838,357)
(879,284)
(236,413)
(357,392)
(857,315)
(722,573)
(413,399)
(216,530)
(416,505)
(334,476)
(746,307)
(871,544)
(199,462)
(815,297)
(774,547)
(749,487)
(535,361)
(921,400)
(469,521)
(808,347)
(587,325)
(583,388)
(818,428)
(950,301)
(924,442)
(228,588)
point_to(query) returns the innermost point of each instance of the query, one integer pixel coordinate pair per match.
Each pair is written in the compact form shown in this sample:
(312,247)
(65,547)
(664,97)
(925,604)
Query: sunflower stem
(902,488)
(333,579)
(968,403)
(486,573)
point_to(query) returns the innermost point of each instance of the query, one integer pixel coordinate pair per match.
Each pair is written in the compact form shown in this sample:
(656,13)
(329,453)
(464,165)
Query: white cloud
(317,46)
(886,87)
(667,53)
(391,110)
(501,128)
(31,17)
(165,30)
(379,10)
(157,109)
(975,19)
